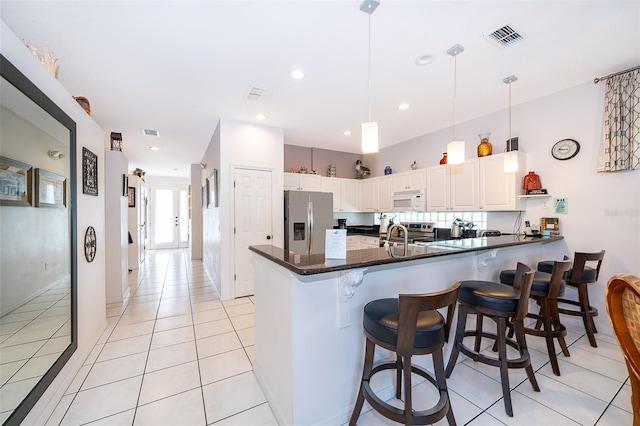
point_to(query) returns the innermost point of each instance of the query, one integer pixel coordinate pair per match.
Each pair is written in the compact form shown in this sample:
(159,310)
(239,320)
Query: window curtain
(620,145)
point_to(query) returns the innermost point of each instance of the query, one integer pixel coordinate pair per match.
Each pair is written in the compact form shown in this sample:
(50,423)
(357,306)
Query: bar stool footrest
(576,312)
(396,414)
(520,362)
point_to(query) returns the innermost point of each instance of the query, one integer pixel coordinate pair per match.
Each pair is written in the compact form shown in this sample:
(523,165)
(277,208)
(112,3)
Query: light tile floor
(173,354)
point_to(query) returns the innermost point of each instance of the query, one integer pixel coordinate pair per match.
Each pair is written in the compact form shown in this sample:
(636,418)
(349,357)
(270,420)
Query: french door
(169,221)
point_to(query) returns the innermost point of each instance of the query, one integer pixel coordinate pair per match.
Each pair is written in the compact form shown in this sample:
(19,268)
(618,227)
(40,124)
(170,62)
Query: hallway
(173,354)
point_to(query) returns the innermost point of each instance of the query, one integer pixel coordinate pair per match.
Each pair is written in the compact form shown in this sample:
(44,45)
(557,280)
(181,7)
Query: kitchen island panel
(309,344)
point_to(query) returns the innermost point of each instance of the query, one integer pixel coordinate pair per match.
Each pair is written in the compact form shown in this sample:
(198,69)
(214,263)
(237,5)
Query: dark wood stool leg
(455,350)
(522,344)
(479,320)
(438,368)
(504,363)
(587,319)
(399,364)
(548,336)
(408,403)
(366,375)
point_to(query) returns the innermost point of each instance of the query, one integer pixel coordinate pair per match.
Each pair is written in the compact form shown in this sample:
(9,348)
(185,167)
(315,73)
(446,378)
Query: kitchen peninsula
(309,343)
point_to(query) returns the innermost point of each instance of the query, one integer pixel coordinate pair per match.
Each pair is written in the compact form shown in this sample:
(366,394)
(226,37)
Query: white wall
(90,212)
(116,227)
(195,243)
(238,144)
(604,209)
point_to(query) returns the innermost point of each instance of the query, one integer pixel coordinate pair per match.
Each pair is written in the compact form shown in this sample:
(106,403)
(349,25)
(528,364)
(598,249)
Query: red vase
(443,160)
(531,181)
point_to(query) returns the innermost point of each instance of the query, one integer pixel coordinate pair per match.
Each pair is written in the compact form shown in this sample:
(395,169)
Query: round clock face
(90,244)
(565,149)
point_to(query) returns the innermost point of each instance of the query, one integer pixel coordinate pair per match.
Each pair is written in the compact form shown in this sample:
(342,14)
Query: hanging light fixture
(455,149)
(369,129)
(511,157)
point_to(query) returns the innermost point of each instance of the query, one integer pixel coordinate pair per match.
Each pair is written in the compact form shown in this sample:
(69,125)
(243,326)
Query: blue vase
(387,170)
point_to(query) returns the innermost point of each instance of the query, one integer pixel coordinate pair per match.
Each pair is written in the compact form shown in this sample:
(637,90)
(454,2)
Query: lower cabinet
(358,242)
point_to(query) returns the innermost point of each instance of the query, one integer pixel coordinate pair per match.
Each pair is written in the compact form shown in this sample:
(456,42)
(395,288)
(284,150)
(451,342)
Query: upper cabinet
(414,180)
(376,194)
(453,187)
(302,182)
(346,193)
(498,190)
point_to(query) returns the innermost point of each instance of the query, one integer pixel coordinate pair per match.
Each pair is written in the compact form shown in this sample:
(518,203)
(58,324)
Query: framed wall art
(15,182)
(116,141)
(125,185)
(51,189)
(132,196)
(212,181)
(89,172)
(206,202)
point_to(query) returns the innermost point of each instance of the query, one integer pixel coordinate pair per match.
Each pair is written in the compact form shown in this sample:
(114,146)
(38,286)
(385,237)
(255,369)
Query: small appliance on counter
(342,223)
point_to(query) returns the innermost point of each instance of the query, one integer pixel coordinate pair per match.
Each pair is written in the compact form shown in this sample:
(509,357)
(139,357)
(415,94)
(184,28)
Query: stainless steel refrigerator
(307,215)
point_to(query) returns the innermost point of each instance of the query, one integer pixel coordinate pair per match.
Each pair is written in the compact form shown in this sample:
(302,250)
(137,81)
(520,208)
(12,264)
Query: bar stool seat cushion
(381,321)
(490,295)
(540,284)
(589,274)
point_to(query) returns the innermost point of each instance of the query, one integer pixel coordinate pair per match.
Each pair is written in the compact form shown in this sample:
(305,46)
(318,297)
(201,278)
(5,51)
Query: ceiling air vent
(149,132)
(505,36)
(255,93)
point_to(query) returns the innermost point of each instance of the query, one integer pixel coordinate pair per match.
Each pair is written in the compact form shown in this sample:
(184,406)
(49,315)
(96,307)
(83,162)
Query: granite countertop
(303,264)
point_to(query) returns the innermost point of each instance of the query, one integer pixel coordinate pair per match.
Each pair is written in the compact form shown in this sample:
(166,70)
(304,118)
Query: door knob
(268,237)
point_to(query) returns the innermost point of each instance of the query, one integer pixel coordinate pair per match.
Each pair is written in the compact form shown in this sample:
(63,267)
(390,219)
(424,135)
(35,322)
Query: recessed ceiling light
(347,132)
(403,106)
(297,74)
(261,117)
(154,148)
(424,60)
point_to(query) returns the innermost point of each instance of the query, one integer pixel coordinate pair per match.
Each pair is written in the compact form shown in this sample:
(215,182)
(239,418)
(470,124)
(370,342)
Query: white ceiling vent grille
(255,93)
(149,132)
(505,36)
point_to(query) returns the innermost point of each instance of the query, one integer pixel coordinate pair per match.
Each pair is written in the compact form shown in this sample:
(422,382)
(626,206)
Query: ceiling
(179,66)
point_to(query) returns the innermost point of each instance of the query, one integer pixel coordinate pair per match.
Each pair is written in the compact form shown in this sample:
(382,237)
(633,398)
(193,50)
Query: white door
(253,199)
(169,222)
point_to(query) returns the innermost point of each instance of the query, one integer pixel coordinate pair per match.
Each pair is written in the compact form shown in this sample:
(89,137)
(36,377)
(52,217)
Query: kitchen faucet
(406,239)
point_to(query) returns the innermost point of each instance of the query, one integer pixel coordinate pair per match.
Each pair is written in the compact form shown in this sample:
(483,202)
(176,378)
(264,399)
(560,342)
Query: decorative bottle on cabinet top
(485,148)
(443,160)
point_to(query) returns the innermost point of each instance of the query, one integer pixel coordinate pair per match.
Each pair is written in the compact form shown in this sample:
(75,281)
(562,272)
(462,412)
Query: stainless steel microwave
(409,201)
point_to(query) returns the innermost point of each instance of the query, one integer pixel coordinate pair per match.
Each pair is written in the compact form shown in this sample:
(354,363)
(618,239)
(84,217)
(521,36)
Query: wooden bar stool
(409,325)
(545,291)
(580,276)
(501,303)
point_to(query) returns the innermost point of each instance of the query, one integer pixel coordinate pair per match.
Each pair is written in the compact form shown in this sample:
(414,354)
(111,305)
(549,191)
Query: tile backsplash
(441,219)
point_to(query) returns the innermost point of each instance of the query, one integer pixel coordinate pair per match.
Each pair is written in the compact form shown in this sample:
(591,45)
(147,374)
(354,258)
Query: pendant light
(369,129)
(511,157)
(455,149)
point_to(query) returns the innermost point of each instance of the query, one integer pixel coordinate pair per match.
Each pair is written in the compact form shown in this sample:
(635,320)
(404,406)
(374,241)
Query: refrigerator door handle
(310,221)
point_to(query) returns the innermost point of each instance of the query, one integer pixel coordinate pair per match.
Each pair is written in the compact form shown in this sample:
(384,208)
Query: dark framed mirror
(38,272)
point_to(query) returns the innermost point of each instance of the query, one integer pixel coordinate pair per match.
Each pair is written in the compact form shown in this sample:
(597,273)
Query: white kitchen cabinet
(353,242)
(369,242)
(302,182)
(453,187)
(358,242)
(499,190)
(346,193)
(376,194)
(414,180)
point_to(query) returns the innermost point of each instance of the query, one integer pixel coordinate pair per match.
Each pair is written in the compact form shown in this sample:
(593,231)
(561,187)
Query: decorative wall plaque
(89,172)
(116,141)
(90,244)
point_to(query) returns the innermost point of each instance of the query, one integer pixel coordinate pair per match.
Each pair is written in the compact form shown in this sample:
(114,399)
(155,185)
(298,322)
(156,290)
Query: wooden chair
(623,307)
(545,291)
(409,325)
(580,276)
(502,303)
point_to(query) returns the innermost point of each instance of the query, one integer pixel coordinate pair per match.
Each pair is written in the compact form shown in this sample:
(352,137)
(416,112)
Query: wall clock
(90,244)
(565,149)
